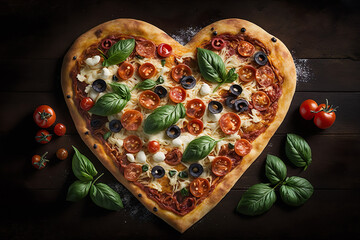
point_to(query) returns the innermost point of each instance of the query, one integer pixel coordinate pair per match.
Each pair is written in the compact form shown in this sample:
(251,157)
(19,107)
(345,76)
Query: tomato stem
(327,108)
(44,115)
(43,137)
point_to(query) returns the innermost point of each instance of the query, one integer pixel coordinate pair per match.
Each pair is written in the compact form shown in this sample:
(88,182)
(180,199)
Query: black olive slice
(99,85)
(260,58)
(173,131)
(160,91)
(196,170)
(115,125)
(215,107)
(241,105)
(188,82)
(158,172)
(236,89)
(230,101)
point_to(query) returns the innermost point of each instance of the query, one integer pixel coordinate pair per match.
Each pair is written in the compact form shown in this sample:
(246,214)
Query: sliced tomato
(149,100)
(230,123)
(180,71)
(153,146)
(126,71)
(177,94)
(147,70)
(195,126)
(265,76)
(173,157)
(247,73)
(195,108)
(132,144)
(246,49)
(86,104)
(164,50)
(218,43)
(199,187)
(260,101)
(242,147)
(221,166)
(131,120)
(132,172)
(145,48)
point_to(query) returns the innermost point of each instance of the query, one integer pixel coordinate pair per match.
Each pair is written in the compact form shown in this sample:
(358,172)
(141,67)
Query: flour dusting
(183,36)
(303,70)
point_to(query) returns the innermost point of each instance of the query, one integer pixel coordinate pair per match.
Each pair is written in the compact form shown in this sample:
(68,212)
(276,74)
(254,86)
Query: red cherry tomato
(173,157)
(149,100)
(132,172)
(60,129)
(246,49)
(62,153)
(306,107)
(218,43)
(145,48)
(86,104)
(164,50)
(131,120)
(260,101)
(230,123)
(180,71)
(265,76)
(43,136)
(199,187)
(126,70)
(247,73)
(147,70)
(195,108)
(132,144)
(44,116)
(221,166)
(242,147)
(177,94)
(325,116)
(153,146)
(39,162)
(195,126)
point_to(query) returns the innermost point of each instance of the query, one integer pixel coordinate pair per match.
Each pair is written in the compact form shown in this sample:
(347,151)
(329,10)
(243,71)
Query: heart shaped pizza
(178,125)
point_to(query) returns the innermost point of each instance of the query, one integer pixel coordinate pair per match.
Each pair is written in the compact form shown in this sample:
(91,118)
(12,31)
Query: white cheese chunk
(159,157)
(141,157)
(105,73)
(92,62)
(205,89)
(177,142)
(92,94)
(130,157)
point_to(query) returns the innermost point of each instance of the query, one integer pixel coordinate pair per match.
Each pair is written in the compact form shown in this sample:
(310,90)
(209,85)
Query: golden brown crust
(279,57)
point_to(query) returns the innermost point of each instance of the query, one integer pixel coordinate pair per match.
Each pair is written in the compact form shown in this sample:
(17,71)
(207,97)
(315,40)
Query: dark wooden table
(324,40)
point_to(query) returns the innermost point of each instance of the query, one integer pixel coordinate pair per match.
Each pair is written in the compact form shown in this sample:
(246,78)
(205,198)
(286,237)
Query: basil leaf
(275,169)
(163,61)
(108,104)
(83,169)
(121,89)
(198,149)
(298,151)
(172,173)
(119,52)
(211,66)
(103,196)
(160,80)
(78,190)
(256,200)
(231,76)
(145,85)
(107,135)
(163,117)
(295,191)
(184,192)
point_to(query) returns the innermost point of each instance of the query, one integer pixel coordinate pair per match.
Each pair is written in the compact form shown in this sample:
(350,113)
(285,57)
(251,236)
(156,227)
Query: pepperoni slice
(132,144)
(180,71)
(173,157)
(199,187)
(242,147)
(147,70)
(265,76)
(145,48)
(126,70)
(260,101)
(247,73)
(132,172)
(246,49)
(230,123)
(221,166)
(177,94)
(149,100)
(195,126)
(195,108)
(131,120)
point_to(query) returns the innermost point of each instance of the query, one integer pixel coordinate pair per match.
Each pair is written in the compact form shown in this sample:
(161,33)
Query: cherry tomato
(177,94)
(62,153)
(221,166)
(132,144)
(60,129)
(43,136)
(132,172)
(306,107)
(265,76)
(260,101)
(126,71)
(164,50)
(325,116)
(44,116)
(230,123)
(246,49)
(39,162)
(247,73)
(145,48)
(153,146)
(242,147)
(147,70)
(107,43)
(86,104)
(195,126)
(199,187)
(178,72)
(131,120)
(173,157)
(195,108)
(149,100)
(218,43)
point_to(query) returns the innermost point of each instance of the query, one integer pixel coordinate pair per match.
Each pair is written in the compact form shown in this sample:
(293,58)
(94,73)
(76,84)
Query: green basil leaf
(183,174)
(107,135)
(146,85)
(184,192)
(119,52)
(163,61)
(298,151)
(160,80)
(103,196)
(145,167)
(121,89)
(211,66)
(108,104)
(163,117)
(295,191)
(78,190)
(231,76)
(172,173)
(275,169)
(256,200)
(83,169)
(198,149)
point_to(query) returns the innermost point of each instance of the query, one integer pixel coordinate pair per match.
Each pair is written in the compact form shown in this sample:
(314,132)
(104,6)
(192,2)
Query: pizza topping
(173,157)
(106,43)
(196,170)
(149,100)
(132,172)
(230,101)
(126,71)
(260,101)
(157,172)
(199,187)
(221,166)
(205,89)
(160,91)
(235,89)
(145,48)
(195,126)
(215,107)
(153,146)
(105,73)
(130,157)
(241,105)
(180,71)
(173,132)
(115,125)
(247,73)
(243,30)
(273,39)
(195,108)
(132,144)
(141,158)
(99,85)
(246,49)
(218,43)
(265,76)
(93,61)
(177,142)
(177,94)
(147,70)
(159,157)
(242,147)
(230,123)
(131,120)
(164,50)
(188,82)
(260,58)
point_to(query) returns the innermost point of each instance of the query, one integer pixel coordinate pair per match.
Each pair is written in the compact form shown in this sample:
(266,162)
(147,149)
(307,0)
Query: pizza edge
(279,56)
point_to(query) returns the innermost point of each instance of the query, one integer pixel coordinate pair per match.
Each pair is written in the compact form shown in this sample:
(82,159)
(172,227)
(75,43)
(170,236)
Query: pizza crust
(279,56)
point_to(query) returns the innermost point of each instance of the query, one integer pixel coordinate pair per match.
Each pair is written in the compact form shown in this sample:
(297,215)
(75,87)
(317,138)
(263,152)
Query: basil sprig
(298,151)
(212,68)
(198,149)
(295,191)
(163,117)
(275,169)
(101,194)
(119,52)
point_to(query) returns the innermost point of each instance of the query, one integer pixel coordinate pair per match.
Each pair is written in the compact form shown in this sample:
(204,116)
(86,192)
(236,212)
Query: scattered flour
(183,36)
(303,70)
